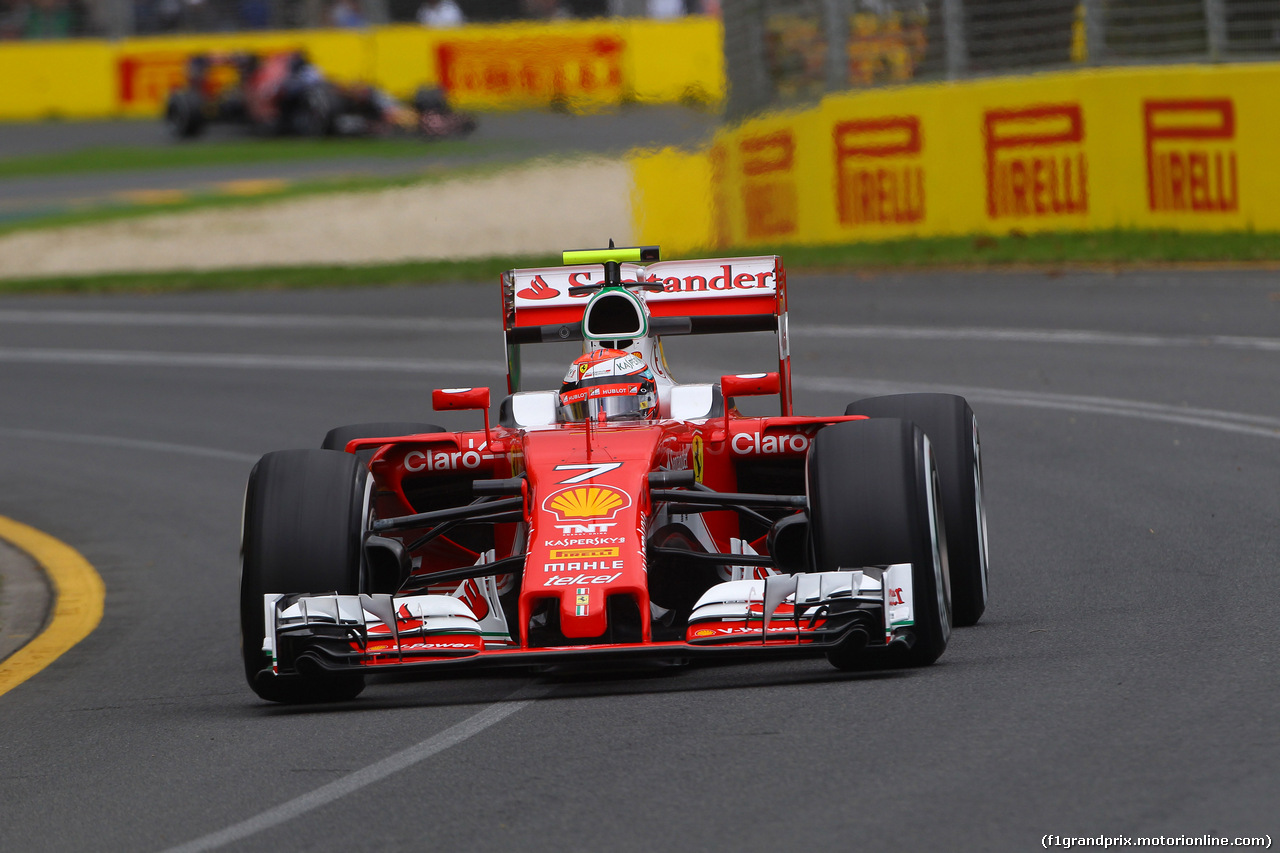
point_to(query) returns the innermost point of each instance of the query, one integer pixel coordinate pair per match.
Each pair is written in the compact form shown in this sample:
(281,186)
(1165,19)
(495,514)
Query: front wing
(801,613)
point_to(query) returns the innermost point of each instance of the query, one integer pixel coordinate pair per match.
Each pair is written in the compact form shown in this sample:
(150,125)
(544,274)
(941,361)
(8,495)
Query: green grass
(420,272)
(1118,246)
(1049,251)
(235,152)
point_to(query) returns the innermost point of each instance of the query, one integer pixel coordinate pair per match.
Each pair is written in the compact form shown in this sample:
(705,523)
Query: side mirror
(750,385)
(463,398)
(460,398)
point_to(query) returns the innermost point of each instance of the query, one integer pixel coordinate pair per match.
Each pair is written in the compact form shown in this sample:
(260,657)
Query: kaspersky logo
(582,503)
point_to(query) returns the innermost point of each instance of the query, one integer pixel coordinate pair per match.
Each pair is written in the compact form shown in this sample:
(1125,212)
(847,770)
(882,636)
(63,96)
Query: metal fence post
(626,8)
(835,26)
(119,22)
(375,11)
(1215,20)
(1095,31)
(953,32)
(744,58)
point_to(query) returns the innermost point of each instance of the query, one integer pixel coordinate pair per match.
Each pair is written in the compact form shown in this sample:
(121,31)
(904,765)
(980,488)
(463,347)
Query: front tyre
(953,430)
(304,521)
(873,501)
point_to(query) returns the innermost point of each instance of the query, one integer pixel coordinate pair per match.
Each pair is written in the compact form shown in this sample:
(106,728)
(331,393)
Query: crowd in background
(55,19)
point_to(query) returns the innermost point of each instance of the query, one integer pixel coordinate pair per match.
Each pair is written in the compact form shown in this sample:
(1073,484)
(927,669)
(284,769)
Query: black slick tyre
(316,112)
(184,114)
(304,520)
(873,501)
(953,430)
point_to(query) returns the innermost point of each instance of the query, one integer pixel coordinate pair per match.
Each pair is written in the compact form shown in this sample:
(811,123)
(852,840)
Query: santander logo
(538,289)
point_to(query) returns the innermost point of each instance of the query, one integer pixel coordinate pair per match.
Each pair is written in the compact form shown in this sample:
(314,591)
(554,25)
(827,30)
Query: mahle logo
(583,502)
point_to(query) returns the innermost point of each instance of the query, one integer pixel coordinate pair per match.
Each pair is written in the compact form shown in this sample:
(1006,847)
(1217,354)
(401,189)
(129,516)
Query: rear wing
(714,295)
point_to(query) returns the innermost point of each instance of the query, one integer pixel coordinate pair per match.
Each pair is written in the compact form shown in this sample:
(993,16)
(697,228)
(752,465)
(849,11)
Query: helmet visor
(627,404)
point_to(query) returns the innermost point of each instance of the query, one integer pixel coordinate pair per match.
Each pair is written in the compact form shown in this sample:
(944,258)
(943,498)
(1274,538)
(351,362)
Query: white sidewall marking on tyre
(981,506)
(941,585)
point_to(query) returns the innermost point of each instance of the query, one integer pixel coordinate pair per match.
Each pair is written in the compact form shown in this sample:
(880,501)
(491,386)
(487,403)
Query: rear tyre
(873,501)
(953,430)
(184,114)
(304,521)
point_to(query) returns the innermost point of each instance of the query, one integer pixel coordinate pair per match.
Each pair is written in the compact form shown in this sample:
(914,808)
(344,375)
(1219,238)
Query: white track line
(125,443)
(243,361)
(1034,336)
(1234,422)
(465,324)
(244,321)
(366,776)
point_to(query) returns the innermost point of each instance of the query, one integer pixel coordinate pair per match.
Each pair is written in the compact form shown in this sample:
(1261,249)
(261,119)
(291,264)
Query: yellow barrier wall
(1184,147)
(70,79)
(579,64)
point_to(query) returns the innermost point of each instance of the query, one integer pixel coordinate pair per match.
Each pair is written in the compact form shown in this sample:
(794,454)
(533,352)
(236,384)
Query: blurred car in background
(285,94)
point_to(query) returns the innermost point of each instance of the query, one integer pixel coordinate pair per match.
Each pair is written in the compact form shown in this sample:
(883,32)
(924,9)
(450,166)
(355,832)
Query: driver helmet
(610,385)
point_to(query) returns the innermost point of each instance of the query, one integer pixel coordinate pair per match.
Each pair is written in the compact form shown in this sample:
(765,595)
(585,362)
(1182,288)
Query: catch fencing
(783,52)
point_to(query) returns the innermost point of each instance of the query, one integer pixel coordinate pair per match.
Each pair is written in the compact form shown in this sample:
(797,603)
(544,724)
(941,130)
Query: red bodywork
(587,520)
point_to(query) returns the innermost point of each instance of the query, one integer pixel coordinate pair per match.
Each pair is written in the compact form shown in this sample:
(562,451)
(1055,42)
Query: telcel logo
(752,443)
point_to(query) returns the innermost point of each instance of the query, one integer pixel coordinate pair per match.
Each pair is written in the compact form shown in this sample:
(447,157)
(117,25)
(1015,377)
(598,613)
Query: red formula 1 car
(623,518)
(283,93)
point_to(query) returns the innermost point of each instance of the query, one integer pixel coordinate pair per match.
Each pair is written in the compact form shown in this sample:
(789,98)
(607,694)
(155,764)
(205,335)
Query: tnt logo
(1035,161)
(1191,162)
(769,187)
(879,179)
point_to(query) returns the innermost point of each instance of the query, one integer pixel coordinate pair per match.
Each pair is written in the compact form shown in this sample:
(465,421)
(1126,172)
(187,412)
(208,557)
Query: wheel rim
(980,506)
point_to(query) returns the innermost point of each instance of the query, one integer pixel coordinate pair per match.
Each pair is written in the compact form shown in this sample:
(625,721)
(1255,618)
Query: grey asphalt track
(1123,682)
(500,137)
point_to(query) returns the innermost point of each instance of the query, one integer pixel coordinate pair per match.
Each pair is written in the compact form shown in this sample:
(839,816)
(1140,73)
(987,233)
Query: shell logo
(587,502)
(704,632)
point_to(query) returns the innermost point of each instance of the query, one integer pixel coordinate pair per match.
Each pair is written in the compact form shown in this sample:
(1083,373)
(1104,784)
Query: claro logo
(753,443)
(445,460)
